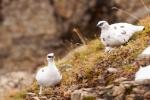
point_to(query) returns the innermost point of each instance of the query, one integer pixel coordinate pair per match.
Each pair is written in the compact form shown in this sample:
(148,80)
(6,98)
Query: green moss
(81,56)
(88,64)
(89,98)
(18,96)
(128,68)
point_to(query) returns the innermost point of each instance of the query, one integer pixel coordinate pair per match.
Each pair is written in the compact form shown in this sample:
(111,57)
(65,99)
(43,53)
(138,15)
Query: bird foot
(108,49)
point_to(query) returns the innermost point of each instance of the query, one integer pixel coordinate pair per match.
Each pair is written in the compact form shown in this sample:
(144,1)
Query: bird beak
(97,25)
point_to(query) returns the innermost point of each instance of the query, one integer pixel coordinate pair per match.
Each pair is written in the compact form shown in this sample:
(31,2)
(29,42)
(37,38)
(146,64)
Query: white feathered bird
(143,73)
(48,75)
(145,53)
(116,34)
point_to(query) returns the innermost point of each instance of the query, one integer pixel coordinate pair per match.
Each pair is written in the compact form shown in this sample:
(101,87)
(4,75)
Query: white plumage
(48,75)
(143,73)
(116,34)
(145,53)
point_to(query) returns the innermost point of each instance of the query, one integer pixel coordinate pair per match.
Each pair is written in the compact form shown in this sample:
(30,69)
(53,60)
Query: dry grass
(87,67)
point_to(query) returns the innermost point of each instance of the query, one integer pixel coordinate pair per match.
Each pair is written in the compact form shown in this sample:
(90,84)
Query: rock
(67,93)
(88,89)
(127,86)
(147,95)
(143,82)
(112,70)
(128,82)
(16,81)
(43,98)
(76,95)
(138,91)
(101,79)
(120,80)
(31,94)
(35,98)
(121,89)
(52,98)
(109,86)
(83,95)
(118,90)
(130,97)
(102,92)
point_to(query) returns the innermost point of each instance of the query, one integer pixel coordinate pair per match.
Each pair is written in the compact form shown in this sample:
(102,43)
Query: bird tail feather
(139,28)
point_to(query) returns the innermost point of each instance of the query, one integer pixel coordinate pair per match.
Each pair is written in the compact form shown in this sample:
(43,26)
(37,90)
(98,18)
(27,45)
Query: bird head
(102,24)
(50,57)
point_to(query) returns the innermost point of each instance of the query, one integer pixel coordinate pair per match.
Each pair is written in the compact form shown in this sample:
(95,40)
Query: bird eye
(50,56)
(101,24)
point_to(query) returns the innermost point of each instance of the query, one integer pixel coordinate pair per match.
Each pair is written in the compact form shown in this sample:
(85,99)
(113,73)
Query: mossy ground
(88,66)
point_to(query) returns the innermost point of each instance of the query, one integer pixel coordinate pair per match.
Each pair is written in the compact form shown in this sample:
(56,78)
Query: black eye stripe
(101,24)
(50,56)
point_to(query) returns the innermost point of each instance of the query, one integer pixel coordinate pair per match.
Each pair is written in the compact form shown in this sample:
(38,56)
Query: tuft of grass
(128,68)
(17,95)
(89,98)
(89,64)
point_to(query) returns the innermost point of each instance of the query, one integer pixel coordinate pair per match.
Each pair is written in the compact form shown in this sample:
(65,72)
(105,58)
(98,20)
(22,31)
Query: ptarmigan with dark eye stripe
(48,75)
(143,73)
(145,53)
(116,34)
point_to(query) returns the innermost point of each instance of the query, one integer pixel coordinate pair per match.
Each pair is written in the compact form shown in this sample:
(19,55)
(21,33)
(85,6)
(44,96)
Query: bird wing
(40,72)
(119,33)
(112,37)
(124,27)
(122,30)
(119,36)
(129,28)
(144,72)
(146,51)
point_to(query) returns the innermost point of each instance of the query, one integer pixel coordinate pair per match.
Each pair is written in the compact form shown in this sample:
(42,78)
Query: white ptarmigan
(116,34)
(145,53)
(48,75)
(143,73)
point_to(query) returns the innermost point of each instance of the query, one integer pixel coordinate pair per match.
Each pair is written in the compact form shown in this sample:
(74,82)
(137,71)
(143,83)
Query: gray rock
(147,95)
(130,97)
(31,94)
(112,70)
(138,91)
(120,80)
(118,90)
(43,98)
(143,82)
(14,80)
(121,89)
(83,95)
(76,95)
(35,98)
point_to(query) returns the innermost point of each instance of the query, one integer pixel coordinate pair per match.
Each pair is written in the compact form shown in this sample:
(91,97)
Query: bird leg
(108,49)
(40,92)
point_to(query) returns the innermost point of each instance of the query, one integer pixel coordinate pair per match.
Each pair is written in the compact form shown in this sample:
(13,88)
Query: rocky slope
(14,81)
(121,89)
(31,29)
(90,74)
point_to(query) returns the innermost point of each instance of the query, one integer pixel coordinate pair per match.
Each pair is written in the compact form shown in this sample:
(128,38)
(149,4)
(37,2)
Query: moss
(129,90)
(88,64)
(89,98)
(17,96)
(128,68)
